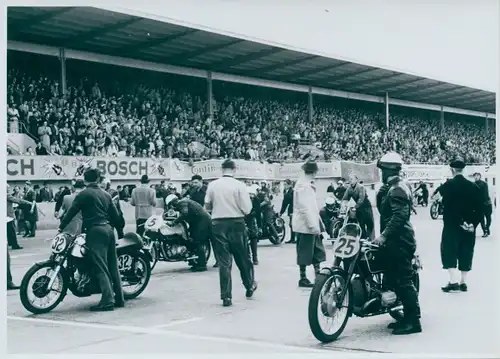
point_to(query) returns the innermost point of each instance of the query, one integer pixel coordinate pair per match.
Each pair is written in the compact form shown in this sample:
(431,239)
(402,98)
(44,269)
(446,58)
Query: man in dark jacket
(115,196)
(197,190)
(397,242)
(422,186)
(287,205)
(252,226)
(363,207)
(30,213)
(487,206)
(462,212)
(200,225)
(339,192)
(267,210)
(99,216)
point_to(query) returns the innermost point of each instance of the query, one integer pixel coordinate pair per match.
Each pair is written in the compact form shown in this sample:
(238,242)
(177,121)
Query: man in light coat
(306,224)
(75,226)
(143,198)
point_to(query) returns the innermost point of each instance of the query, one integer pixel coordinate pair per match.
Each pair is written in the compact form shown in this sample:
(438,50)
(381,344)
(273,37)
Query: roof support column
(210,95)
(487,123)
(310,103)
(387,112)
(442,119)
(62,59)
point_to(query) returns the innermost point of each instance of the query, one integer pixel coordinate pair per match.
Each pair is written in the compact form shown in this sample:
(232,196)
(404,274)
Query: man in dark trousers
(30,213)
(115,196)
(397,241)
(197,190)
(229,201)
(10,283)
(363,207)
(252,227)
(487,206)
(99,216)
(287,206)
(463,207)
(11,230)
(425,192)
(143,198)
(200,226)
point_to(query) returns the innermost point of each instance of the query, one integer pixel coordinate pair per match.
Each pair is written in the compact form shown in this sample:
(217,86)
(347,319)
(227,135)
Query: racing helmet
(390,161)
(330,203)
(171,187)
(171,200)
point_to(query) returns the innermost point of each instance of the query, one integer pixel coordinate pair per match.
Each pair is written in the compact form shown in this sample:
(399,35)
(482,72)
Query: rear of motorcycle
(435,209)
(280,226)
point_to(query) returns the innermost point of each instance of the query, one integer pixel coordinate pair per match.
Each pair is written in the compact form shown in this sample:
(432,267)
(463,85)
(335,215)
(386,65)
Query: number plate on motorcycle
(59,243)
(153,223)
(125,262)
(346,247)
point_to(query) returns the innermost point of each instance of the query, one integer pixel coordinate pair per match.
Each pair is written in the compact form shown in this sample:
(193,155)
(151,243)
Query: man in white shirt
(306,223)
(229,202)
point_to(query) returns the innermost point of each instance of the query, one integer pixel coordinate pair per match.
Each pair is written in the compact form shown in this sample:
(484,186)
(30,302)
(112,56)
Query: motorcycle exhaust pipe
(371,306)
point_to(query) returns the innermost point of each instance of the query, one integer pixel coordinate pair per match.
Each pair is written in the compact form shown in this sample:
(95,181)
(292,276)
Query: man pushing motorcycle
(200,225)
(397,241)
(363,207)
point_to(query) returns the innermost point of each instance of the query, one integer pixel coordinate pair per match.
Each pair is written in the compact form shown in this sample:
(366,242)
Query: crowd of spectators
(110,111)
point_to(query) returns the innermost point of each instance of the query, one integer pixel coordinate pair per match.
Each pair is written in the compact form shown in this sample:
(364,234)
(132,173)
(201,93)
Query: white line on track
(179,322)
(25,255)
(157,331)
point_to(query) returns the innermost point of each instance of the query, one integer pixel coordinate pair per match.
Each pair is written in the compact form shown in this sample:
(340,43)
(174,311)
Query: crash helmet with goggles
(171,200)
(330,203)
(390,161)
(171,187)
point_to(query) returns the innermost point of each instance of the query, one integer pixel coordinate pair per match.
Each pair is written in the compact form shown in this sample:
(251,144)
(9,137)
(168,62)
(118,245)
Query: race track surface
(180,311)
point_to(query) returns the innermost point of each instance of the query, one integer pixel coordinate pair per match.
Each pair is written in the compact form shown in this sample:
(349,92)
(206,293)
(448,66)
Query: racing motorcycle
(345,214)
(279,224)
(436,207)
(418,198)
(168,242)
(359,289)
(46,283)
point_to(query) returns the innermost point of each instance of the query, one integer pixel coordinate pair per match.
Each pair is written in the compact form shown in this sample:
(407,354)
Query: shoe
(227,302)
(16,247)
(450,287)
(290,241)
(198,269)
(395,325)
(463,287)
(408,328)
(486,234)
(12,286)
(32,235)
(103,307)
(216,265)
(249,292)
(119,304)
(255,262)
(305,283)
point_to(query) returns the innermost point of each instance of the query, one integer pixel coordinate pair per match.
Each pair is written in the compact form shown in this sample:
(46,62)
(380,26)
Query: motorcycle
(168,242)
(359,289)
(436,207)
(279,224)
(418,198)
(345,214)
(68,268)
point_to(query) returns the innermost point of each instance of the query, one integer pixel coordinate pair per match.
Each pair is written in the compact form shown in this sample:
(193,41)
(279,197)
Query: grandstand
(90,82)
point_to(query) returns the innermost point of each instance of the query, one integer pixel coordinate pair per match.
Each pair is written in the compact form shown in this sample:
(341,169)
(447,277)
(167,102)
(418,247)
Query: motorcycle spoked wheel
(138,277)
(32,286)
(399,314)
(434,211)
(323,305)
(152,246)
(281,229)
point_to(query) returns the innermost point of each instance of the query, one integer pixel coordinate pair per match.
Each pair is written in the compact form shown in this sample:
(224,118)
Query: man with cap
(463,207)
(397,242)
(363,207)
(30,213)
(229,201)
(99,216)
(306,223)
(487,206)
(75,226)
(143,198)
(287,205)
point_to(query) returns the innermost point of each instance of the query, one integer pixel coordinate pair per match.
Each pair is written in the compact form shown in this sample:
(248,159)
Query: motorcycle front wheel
(34,287)
(135,280)
(281,229)
(434,210)
(323,306)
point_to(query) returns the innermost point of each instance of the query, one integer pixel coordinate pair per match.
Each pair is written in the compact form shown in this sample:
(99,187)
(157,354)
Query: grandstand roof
(111,33)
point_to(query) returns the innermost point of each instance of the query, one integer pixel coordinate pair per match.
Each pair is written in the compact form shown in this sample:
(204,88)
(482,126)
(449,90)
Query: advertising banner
(368,173)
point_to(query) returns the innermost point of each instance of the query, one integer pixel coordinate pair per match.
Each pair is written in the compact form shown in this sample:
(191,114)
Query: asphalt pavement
(180,312)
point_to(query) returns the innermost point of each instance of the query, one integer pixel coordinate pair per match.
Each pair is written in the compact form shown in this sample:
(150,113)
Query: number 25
(346,246)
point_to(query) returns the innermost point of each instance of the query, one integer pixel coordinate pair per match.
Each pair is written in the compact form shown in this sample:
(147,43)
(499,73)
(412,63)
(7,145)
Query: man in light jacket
(75,226)
(306,224)
(143,198)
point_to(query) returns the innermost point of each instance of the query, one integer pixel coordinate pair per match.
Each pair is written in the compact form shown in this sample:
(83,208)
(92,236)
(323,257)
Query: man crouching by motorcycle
(99,216)
(397,241)
(267,210)
(251,222)
(364,212)
(200,225)
(328,214)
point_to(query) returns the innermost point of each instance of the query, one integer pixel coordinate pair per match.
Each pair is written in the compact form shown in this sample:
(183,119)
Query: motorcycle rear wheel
(281,229)
(319,306)
(39,287)
(144,280)
(434,210)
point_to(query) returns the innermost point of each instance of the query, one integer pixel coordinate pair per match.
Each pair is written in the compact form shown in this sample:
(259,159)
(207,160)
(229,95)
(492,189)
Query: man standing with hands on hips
(306,224)
(229,202)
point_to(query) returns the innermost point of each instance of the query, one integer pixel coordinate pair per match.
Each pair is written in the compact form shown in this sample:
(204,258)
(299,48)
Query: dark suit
(462,202)
(287,204)
(487,206)
(30,216)
(198,195)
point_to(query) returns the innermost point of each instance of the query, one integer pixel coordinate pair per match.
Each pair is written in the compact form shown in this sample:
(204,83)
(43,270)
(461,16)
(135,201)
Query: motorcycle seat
(121,245)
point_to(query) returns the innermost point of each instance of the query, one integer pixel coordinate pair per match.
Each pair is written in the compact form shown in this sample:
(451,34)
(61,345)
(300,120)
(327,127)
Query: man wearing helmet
(397,241)
(99,216)
(328,213)
(363,207)
(339,192)
(200,225)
